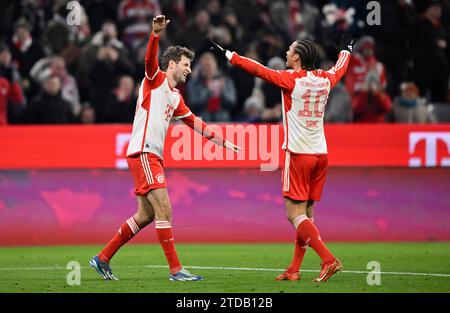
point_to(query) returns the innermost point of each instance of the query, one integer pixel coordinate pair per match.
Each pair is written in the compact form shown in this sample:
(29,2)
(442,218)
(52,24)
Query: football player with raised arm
(304,94)
(158,102)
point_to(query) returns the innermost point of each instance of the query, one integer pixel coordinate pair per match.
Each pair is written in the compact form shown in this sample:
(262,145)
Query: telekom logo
(431,139)
(122,141)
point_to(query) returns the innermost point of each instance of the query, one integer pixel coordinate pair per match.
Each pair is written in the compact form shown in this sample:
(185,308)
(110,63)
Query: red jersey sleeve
(151,57)
(202,128)
(182,110)
(282,79)
(338,70)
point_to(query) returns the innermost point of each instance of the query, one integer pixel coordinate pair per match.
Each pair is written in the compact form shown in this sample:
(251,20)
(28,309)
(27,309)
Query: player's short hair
(307,52)
(175,53)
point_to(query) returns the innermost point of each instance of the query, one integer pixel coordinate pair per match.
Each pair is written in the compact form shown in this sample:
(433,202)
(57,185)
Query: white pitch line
(224,268)
(314,271)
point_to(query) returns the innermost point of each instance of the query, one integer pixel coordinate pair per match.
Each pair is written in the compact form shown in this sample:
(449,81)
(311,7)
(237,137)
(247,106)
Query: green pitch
(405,267)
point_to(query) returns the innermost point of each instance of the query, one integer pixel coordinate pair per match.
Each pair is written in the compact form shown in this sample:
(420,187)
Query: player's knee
(165,213)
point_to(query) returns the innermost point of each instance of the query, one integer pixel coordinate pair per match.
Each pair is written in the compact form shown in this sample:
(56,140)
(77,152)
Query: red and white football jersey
(157,103)
(304,95)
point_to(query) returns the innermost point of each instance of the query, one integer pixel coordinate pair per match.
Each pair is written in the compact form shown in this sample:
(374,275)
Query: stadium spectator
(430,47)
(56,65)
(222,35)
(108,36)
(214,9)
(100,12)
(25,51)
(176,9)
(253,110)
(244,84)
(134,17)
(393,40)
(339,105)
(87,114)
(49,107)
(121,104)
(211,92)
(410,108)
(337,22)
(371,104)
(270,45)
(230,20)
(272,100)
(104,74)
(10,88)
(409,47)
(366,83)
(268,95)
(194,35)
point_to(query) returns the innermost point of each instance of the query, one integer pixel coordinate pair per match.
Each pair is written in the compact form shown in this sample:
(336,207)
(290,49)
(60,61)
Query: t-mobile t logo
(122,141)
(431,148)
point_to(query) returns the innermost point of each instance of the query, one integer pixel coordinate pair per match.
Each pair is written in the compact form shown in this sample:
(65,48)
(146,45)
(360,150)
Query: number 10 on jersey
(320,100)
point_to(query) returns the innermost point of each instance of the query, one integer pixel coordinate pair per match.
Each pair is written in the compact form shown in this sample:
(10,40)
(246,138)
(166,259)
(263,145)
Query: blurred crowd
(66,63)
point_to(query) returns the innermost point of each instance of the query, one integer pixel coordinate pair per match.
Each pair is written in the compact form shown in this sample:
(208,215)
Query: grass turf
(43,269)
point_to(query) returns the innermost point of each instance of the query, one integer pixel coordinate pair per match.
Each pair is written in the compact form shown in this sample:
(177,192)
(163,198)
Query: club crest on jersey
(168,112)
(160,178)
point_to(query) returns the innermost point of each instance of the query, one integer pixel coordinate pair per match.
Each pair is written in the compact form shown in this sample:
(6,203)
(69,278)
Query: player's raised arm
(345,49)
(281,79)
(151,56)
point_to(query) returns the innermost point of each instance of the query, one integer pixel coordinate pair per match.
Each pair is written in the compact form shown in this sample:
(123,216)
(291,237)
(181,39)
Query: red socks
(308,233)
(131,228)
(165,237)
(124,234)
(299,253)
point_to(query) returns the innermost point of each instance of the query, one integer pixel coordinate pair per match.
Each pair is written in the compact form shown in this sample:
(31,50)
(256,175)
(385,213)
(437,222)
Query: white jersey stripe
(287,163)
(154,75)
(183,116)
(146,167)
(149,169)
(342,61)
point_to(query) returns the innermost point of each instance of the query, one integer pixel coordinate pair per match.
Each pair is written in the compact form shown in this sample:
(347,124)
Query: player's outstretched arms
(281,79)
(202,128)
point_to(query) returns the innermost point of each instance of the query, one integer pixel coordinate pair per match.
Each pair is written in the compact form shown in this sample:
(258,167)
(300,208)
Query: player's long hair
(307,52)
